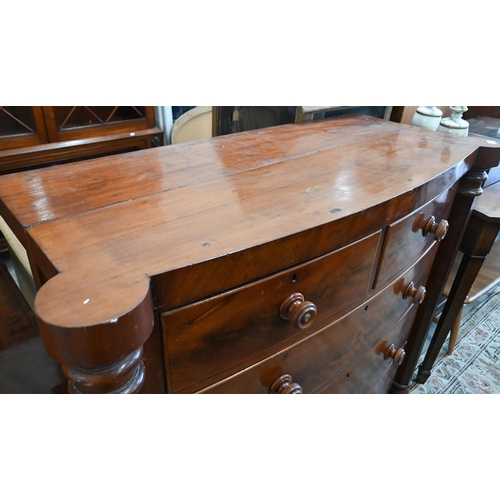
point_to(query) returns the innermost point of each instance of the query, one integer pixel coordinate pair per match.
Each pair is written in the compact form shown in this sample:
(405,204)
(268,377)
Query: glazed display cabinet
(40,136)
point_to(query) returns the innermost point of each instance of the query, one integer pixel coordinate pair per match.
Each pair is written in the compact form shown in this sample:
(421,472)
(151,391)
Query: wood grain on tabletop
(488,204)
(84,186)
(79,187)
(127,218)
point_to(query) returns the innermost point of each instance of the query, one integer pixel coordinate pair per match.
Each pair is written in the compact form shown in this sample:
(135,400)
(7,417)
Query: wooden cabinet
(21,126)
(348,355)
(352,318)
(65,123)
(307,257)
(39,136)
(264,316)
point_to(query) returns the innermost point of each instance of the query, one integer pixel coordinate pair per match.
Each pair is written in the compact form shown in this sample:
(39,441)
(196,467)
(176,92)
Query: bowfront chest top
(300,258)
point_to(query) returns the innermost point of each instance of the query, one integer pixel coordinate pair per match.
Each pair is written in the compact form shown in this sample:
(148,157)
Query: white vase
(427,117)
(454,124)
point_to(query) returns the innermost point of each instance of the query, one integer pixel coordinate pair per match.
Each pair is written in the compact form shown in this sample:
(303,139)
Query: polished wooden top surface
(108,225)
(488,204)
(42,195)
(486,126)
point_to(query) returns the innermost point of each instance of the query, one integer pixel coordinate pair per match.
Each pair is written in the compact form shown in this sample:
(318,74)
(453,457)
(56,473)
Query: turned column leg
(103,356)
(124,377)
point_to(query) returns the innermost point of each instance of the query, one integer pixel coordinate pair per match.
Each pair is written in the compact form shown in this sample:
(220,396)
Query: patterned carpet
(474,365)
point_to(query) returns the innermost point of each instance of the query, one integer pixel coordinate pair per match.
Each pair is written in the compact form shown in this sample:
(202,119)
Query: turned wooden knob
(397,355)
(284,385)
(301,314)
(418,294)
(439,230)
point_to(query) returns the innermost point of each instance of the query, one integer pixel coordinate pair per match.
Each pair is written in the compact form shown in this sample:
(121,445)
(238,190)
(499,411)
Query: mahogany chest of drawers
(300,258)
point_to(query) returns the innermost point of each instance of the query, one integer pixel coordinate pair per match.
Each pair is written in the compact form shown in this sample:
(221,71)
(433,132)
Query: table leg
(454,331)
(476,245)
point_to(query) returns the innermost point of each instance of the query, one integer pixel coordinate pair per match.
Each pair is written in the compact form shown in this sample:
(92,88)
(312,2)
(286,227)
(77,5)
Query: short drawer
(410,237)
(327,354)
(203,341)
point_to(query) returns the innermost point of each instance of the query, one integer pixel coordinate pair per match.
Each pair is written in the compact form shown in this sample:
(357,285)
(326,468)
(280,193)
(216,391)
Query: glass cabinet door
(78,122)
(21,126)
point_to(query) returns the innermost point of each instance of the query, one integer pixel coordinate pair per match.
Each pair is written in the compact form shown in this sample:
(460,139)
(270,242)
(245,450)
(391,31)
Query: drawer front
(325,355)
(203,340)
(367,373)
(385,382)
(405,240)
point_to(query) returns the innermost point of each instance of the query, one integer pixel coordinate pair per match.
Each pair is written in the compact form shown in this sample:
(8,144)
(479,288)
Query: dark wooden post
(476,245)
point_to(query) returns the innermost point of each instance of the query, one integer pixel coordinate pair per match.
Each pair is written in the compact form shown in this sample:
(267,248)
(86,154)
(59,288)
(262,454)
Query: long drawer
(204,341)
(329,352)
(380,362)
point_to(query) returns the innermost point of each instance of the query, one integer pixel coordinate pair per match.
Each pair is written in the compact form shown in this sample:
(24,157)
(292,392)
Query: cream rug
(474,365)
